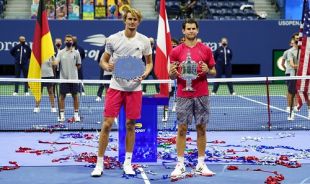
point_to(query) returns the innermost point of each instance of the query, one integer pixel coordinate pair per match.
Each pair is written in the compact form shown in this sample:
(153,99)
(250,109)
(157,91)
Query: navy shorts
(291,86)
(47,84)
(72,88)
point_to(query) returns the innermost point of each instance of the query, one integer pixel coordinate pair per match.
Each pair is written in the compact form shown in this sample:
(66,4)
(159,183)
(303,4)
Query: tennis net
(259,103)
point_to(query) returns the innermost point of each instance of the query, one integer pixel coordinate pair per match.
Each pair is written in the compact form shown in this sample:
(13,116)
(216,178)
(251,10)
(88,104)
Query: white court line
(144,176)
(305,180)
(273,107)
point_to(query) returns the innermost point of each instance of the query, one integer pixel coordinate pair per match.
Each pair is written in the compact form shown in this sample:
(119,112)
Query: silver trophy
(189,72)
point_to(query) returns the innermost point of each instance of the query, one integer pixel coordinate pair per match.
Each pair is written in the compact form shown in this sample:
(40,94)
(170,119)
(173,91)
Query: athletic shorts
(189,108)
(47,84)
(132,101)
(72,88)
(291,86)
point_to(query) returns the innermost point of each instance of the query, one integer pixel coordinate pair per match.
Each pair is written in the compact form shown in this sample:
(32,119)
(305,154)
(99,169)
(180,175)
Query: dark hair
(68,36)
(175,41)
(190,21)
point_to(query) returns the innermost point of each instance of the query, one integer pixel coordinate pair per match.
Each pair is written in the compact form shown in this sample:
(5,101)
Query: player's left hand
(204,68)
(142,77)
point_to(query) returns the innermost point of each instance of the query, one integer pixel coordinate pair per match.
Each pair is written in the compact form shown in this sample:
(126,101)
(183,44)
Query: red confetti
(232,167)
(10,168)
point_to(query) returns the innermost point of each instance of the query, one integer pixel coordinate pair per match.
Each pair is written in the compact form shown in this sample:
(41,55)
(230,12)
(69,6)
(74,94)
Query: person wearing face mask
(69,62)
(82,55)
(21,53)
(57,48)
(223,56)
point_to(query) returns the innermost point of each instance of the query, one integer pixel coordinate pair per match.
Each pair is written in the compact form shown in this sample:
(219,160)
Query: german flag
(42,50)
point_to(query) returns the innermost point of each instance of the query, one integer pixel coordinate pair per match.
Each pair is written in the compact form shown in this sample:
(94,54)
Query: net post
(268,103)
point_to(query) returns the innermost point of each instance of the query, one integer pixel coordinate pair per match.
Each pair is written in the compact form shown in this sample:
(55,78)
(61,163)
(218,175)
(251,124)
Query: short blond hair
(134,12)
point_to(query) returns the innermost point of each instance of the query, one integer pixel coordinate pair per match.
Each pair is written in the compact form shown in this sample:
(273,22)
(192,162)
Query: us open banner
(247,39)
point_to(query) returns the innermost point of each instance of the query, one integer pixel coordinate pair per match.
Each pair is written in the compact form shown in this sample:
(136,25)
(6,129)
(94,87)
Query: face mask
(224,44)
(58,45)
(22,43)
(69,44)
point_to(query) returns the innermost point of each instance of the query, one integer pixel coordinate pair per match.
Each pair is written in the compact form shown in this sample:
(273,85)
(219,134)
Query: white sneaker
(178,171)
(165,117)
(128,169)
(61,119)
(77,118)
(292,117)
(53,109)
(97,172)
(233,94)
(15,94)
(213,93)
(174,107)
(27,94)
(83,94)
(68,94)
(98,99)
(116,121)
(295,109)
(36,110)
(202,169)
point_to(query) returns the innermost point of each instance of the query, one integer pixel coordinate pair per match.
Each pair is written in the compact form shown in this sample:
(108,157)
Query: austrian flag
(163,48)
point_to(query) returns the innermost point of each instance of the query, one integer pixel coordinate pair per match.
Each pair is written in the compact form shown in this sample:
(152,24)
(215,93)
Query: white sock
(201,160)
(128,157)
(62,114)
(99,163)
(181,160)
(76,113)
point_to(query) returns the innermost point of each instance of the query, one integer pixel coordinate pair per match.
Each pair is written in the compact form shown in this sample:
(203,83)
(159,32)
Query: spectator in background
(181,40)
(104,75)
(152,72)
(57,48)
(187,9)
(81,51)
(223,56)
(291,64)
(69,61)
(47,72)
(21,53)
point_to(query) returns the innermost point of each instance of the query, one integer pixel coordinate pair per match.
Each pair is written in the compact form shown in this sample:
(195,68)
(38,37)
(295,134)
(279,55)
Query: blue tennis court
(248,131)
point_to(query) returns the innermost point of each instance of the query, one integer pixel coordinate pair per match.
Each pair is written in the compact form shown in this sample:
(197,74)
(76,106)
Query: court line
(303,181)
(144,176)
(273,107)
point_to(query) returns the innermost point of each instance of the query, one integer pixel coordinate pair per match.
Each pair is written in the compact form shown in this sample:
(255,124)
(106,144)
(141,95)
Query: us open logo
(139,128)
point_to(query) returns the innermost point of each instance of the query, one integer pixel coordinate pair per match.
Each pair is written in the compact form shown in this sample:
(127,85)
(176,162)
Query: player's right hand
(173,69)
(110,67)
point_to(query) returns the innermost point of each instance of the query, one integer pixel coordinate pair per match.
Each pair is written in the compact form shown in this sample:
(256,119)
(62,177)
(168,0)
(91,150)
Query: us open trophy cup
(189,72)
